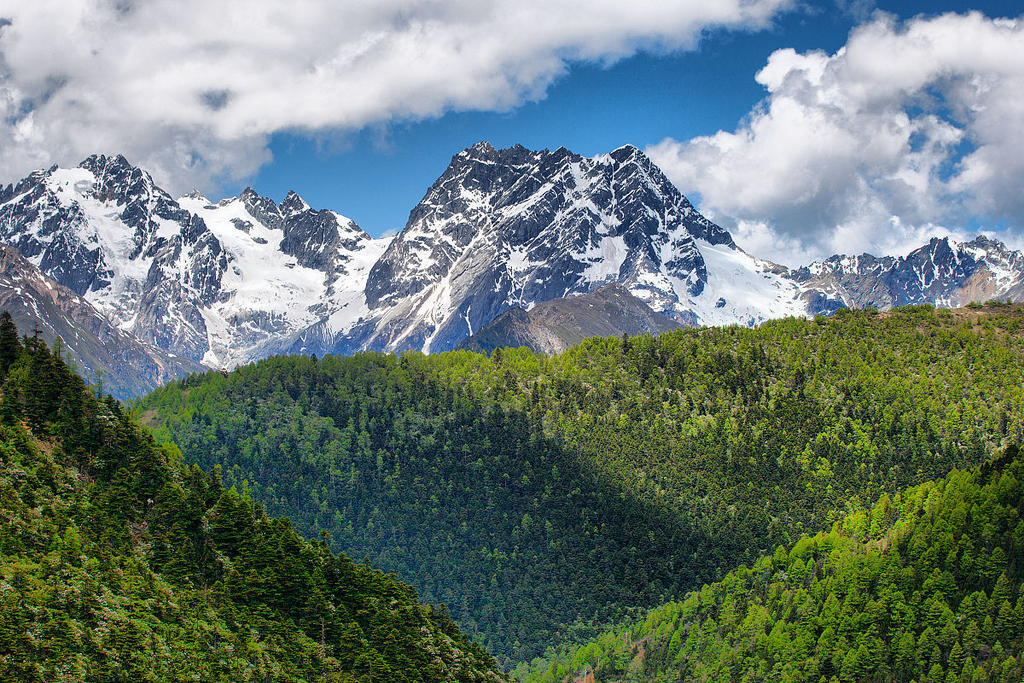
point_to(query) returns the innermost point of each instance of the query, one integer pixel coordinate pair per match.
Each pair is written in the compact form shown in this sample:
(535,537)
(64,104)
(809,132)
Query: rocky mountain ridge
(511,228)
(514,227)
(125,366)
(105,231)
(228,282)
(209,282)
(944,272)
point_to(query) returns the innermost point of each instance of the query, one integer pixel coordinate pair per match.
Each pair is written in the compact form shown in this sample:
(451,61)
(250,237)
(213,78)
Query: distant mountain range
(219,284)
(943,272)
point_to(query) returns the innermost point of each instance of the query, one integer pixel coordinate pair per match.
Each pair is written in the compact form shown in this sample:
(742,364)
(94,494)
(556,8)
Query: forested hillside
(925,586)
(120,563)
(539,497)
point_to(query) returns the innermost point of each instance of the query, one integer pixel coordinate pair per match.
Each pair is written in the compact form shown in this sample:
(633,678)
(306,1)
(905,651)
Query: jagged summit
(295,267)
(294,204)
(108,233)
(482,148)
(514,227)
(97,163)
(208,282)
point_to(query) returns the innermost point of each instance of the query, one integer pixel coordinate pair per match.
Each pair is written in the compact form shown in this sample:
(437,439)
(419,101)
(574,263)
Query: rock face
(944,273)
(126,366)
(500,230)
(106,232)
(211,283)
(513,228)
(555,325)
(292,269)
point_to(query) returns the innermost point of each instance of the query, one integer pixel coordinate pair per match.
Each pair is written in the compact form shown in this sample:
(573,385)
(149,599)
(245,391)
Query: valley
(597,439)
(541,497)
(906,590)
(833,497)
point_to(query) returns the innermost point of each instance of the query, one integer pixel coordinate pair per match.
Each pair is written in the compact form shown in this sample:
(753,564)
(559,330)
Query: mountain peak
(631,154)
(482,147)
(627,150)
(294,204)
(100,164)
(515,227)
(485,152)
(118,181)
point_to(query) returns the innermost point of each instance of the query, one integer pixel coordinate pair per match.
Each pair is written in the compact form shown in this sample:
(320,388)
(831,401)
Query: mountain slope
(540,497)
(555,325)
(293,268)
(514,227)
(924,586)
(126,366)
(118,562)
(481,511)
(212,283)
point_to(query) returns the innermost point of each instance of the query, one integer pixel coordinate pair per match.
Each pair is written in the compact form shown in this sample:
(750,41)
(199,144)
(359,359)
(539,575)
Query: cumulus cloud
(911,129)
(192,89)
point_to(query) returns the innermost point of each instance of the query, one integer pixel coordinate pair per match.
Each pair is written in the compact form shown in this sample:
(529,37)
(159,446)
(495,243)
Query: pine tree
(9,344)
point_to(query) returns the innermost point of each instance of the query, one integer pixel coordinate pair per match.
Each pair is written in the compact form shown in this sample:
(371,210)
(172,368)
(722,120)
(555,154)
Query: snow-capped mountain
(290,268)
(210,282)
(125,366)
(514,227)
(106,232)
(944,272)
(227,282)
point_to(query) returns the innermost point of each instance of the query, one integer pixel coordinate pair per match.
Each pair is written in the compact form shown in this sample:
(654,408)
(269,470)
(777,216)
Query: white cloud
(193,88)
(907,128)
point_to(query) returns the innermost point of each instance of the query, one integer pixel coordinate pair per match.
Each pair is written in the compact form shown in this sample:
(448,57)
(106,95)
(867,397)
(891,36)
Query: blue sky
(806,128)
(376,175)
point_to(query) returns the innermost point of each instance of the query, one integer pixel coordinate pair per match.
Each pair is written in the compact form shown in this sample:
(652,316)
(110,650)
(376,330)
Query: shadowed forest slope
(924,586)
(540,497)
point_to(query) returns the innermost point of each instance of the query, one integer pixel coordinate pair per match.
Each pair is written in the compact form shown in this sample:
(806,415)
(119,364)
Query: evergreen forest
(542,498)
(925,586)
(119,562)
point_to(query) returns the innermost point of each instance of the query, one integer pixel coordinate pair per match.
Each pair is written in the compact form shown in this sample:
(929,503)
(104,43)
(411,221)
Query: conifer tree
(9,345)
